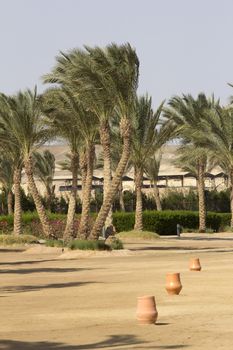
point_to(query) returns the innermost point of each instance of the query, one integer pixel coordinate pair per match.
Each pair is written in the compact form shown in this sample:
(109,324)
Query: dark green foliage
(218,201)
(161,222)
(215,201)
(177,200)
(3,203)
(116,244)
(88,245)
(164,223)
(129,197)
(123,221)
(225,220)
(27,202)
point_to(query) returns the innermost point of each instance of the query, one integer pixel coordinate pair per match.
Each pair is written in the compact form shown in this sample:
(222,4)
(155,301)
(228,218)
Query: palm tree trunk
(157,197)
(83,168)
(201,197)
(17,209)
(105,142)
(48,199)
(84,227)
(121,197)
(231,195)
(125,128)
(69,229)
(47,230)
(10,202)
(138,175)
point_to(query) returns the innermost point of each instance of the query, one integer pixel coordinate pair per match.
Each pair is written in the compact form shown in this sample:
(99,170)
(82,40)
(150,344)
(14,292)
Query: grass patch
(88,245)
(10,239)
(54,243)
(138,235)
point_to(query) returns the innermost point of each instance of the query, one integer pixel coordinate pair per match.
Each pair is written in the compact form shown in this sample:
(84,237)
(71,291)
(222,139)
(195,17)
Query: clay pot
(146,310)
(195,265)
(173,284)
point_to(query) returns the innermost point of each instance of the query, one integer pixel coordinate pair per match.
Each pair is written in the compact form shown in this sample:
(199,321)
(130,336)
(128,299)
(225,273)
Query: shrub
(88,245)
(22,239)
(116,244)
(164,222)
(225,220)
(123,221)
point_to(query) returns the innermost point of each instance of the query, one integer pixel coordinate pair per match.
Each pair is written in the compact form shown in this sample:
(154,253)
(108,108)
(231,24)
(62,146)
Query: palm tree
(189,115)
(196,160)
(44,169)
(149,135)
(216,135)
(152,171)
(6,179)
(103,79)
(80,131)
(55,108)
(25,129)
(10,146)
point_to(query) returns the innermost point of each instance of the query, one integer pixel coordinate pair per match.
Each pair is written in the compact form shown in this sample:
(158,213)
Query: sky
(184,46)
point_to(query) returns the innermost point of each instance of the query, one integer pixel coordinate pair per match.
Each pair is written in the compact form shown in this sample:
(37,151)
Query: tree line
(92,100)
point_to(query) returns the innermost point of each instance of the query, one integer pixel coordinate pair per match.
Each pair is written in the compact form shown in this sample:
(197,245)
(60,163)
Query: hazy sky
(184,46)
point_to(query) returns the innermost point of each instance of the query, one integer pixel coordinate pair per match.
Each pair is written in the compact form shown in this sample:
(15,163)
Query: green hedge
(164,222)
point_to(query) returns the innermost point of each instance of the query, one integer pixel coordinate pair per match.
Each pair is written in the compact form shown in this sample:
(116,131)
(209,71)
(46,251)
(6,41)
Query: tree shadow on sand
(126,341)
(30,288)
(42,269)
(22,262)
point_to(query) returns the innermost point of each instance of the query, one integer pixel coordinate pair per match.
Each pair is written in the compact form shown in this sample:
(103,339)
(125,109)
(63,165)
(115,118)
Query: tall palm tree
(216,135)
(6,179)
(55,108)
(24,128)
(80,131)
(10,146)
(196,160)
(152,171)
(44,169)
(103,79)
(149,135)
(189,115)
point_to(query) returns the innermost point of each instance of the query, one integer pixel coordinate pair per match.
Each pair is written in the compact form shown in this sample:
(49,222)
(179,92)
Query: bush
(116,244)
(22,239)
(123,221)
(164,222)
(88,245)
(138,235)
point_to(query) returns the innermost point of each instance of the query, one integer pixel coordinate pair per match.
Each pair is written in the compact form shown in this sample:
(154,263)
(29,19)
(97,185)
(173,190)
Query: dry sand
(55,301)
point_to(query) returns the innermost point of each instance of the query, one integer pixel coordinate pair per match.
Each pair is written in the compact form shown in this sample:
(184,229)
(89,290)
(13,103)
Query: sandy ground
(55,301)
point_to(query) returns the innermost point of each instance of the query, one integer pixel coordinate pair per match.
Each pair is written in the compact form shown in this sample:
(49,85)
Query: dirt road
(65,303)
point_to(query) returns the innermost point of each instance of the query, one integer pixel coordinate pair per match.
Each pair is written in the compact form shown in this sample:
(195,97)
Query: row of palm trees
(92,99)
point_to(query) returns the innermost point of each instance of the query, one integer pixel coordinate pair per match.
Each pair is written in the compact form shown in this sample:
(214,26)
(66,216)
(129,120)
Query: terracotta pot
(146,310)
(173,284)
(195,265)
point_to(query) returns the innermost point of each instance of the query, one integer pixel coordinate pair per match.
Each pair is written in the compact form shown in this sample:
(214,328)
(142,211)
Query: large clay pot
(195,265)
(173,284)
(146,310)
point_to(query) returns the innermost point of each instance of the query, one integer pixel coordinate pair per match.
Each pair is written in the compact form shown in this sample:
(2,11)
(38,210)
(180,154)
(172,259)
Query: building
(170,177)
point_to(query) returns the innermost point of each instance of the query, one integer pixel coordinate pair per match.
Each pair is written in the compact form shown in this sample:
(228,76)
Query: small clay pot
(173,284)
(195,265)
(146,310)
